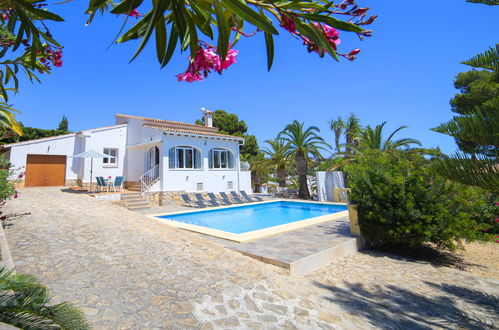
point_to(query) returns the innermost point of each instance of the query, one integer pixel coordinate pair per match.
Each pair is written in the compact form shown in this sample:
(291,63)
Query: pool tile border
(252,235)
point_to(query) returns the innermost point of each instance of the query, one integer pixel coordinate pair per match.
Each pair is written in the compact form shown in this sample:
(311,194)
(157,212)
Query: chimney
(208,117)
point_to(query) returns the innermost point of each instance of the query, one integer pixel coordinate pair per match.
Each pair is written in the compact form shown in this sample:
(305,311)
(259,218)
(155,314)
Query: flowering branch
(317,23)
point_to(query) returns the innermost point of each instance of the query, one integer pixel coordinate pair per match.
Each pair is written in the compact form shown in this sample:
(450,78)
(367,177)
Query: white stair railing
(148,179)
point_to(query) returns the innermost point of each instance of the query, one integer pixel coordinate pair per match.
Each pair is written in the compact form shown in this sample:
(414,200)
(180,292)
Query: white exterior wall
(68,145)
(214,180)
(98,139)
(245,177)
(135,157)
(326,182)
(62,146)
(131,157)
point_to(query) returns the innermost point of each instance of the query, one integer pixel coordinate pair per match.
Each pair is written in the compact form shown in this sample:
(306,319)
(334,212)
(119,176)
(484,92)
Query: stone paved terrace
(304,249)
(128,272)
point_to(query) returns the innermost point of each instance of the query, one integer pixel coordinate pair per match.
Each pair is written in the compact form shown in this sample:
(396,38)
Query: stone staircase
(134,200)
(134,187)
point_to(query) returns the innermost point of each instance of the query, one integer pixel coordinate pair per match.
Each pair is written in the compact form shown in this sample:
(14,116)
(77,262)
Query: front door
(152,160)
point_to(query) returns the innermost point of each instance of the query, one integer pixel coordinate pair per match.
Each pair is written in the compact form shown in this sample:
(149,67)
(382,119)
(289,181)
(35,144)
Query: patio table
(109,184)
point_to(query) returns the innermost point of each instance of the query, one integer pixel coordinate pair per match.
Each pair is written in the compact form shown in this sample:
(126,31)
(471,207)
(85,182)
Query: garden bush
(402,202)
(7,189)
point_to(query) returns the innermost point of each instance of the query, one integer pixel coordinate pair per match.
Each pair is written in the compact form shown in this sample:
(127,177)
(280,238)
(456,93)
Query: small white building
(158,155)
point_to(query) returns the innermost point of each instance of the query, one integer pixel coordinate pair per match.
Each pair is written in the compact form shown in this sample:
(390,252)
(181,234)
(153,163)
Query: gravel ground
(481,259)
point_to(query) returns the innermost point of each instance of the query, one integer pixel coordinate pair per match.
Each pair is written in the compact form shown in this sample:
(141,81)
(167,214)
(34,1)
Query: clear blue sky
(403,75)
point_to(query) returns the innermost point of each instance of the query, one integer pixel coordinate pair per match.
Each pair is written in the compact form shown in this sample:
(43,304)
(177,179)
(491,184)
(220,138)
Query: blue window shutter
(171,157)
(231,159)
(197,158)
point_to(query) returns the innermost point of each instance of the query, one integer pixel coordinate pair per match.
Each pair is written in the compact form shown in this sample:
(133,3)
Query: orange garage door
(45,170)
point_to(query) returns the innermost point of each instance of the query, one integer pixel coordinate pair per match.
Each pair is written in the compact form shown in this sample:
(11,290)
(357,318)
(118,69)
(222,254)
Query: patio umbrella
(91,154)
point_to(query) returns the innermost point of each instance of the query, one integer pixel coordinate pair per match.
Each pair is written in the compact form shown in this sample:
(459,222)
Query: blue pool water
(243,219)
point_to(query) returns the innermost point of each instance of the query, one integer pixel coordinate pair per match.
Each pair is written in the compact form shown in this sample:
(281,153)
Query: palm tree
(337,125)
(260,168)
(303,143)
(352,132)
(372,139)
(7,118)
(24,304)
(276,150)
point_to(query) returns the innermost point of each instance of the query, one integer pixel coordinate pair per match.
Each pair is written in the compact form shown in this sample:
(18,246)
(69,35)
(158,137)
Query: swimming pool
(251,221)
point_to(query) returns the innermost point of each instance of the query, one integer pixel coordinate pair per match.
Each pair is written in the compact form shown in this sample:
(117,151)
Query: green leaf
(193,36)
(223,30)
(94,5)
(49,39)
(160,40)
(269,43)
(136,31)
(157,15)
(485,2)
(301,5)
(202,19)
(46,14)
(336,23)
(242,10)
(487,60)
(172,44)
(19,38)
(126,6)
(316,36)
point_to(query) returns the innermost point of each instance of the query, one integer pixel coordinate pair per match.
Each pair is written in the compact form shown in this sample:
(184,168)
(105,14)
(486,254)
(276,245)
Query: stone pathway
(128,272)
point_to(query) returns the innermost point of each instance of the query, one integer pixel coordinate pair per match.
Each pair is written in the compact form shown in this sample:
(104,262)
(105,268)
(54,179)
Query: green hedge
(401,202)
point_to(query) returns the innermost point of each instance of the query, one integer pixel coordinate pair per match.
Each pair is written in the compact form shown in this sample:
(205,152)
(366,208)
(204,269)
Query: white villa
(160,155)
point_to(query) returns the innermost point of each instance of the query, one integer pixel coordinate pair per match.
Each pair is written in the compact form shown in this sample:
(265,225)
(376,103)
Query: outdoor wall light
(187,178)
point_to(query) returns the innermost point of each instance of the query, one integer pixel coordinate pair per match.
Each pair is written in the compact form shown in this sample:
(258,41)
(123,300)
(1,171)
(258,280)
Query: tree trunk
(302,171)
(349,142)
(337,135)
(281,176)
(256,183)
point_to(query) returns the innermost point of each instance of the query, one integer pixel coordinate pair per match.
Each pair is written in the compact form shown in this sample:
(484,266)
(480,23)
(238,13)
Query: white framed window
(113,160)
(184,157)
(199,186)
(221,158)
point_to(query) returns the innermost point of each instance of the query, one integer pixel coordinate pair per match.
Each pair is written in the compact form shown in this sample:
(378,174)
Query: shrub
(401,202)
(488,217)
(7,189)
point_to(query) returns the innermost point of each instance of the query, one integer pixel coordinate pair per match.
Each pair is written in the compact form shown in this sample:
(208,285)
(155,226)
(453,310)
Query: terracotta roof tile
(170,123)
(187,131)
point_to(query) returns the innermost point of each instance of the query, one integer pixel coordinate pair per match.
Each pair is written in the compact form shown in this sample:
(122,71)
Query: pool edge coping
(252,235)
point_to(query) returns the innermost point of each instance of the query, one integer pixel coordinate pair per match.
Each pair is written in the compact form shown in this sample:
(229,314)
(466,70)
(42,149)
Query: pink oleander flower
(497,219)
(206,60)
(134,13)
(189,76)
(485,230)
(354,52)
(330,32)
(16,195)
(351,56)
(229,60)
(288,23)
(20,176)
